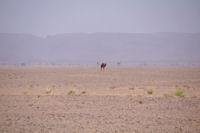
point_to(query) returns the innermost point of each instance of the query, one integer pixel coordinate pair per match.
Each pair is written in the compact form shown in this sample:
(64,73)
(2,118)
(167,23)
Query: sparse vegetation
(186,86)
(83,92)
(31,86)
(71,92)
(140,102)
(150,91)
(65,126)
(25,92)
(113,87)
(167,95)
(179,92)
(131,88)
(48,91)
(194,96)
(139,95)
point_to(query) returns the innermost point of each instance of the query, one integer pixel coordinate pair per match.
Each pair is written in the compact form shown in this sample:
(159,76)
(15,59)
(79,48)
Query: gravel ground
(98,114)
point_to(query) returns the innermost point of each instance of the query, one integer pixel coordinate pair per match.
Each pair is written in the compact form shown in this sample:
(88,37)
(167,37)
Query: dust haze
(51,81)
(67,32)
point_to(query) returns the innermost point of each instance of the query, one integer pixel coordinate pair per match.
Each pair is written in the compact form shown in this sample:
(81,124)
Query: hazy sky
(47,17)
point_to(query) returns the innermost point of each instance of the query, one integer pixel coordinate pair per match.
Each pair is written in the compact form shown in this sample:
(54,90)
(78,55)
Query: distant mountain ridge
(90,48)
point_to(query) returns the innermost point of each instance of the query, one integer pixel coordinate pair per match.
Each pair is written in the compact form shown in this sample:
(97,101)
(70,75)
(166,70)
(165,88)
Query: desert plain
(83,99)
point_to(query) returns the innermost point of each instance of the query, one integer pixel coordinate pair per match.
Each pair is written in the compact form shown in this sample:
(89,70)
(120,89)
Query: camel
(103,65)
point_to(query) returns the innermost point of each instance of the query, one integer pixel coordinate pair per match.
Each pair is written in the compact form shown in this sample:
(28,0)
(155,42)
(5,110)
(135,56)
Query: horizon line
(96,33)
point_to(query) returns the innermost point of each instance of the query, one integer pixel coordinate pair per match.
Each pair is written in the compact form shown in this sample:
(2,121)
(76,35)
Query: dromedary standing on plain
(103,65)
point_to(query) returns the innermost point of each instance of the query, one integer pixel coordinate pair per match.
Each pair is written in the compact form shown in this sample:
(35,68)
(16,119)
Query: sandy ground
(86,100)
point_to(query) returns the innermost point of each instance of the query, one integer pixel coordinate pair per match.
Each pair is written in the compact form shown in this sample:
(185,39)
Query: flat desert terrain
(72,99)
